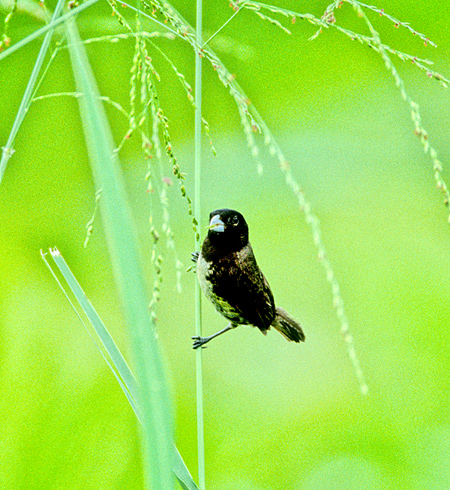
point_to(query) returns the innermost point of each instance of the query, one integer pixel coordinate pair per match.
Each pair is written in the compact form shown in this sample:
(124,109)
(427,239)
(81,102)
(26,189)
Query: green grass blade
(69,276)
(123,246)
(99,327)
(182,473)
(25,104)
(118,365)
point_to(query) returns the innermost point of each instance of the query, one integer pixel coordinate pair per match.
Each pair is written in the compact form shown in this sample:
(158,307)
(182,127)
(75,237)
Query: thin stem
(46,28)
(223,25)
(156,21)
(198,304)
(26,100)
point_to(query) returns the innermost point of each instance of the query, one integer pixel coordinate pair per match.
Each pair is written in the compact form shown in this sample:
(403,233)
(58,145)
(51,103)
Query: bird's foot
(199,341)
(194,258)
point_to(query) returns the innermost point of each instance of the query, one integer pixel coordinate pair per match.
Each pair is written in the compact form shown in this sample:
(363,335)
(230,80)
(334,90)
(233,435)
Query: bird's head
(227,229)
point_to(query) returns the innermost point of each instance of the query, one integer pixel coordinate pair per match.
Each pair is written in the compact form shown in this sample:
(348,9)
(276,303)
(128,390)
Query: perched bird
(231,279)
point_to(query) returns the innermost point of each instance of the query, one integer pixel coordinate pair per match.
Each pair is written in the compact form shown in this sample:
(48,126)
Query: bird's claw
(199,342)
(194,256)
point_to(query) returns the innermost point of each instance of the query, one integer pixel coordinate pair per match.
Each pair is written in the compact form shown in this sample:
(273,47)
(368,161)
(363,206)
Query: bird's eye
(235,220)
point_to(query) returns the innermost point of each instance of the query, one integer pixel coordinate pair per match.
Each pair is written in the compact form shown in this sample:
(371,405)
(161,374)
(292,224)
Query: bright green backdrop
(278,416)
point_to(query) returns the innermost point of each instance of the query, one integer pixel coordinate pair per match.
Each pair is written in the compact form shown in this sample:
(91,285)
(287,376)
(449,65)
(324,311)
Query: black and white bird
(231,279)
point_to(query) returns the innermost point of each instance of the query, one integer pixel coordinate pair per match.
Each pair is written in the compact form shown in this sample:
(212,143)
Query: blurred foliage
(277,415)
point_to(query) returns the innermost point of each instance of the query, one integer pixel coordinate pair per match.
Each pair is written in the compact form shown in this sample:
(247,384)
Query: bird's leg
(200,341)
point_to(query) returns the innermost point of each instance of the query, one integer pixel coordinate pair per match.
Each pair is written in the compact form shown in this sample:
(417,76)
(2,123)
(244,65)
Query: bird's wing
(258,303)
(243,286)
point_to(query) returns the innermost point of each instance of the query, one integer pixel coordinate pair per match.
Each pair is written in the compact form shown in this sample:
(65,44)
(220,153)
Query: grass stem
(54,23)
(197,211)
(26,100)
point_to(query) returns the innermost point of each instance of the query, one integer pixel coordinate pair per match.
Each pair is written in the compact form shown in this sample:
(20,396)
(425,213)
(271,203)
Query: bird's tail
(287,326)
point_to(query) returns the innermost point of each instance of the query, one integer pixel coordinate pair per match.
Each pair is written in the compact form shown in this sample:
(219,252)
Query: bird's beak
(216,224)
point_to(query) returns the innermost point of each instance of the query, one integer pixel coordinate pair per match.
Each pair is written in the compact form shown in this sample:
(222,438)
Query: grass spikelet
(313,222)
(272,21)
(149,99)
(115,38)
(251,143)
(90,223)
(121,19)
(207,132)
(188,91)
(397,23)
(134,70)
(375,42)
(419,130)
(328,20)
(184,29)
(5,40)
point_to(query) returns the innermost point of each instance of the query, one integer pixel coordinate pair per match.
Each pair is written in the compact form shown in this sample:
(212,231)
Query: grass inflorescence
(145,106)
(146,117)
(328,20)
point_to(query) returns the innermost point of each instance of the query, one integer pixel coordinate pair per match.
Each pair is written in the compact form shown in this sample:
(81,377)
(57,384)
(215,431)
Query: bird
(231,279)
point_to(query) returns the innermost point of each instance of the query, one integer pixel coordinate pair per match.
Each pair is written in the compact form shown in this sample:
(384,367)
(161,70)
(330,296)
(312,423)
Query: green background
(277,415)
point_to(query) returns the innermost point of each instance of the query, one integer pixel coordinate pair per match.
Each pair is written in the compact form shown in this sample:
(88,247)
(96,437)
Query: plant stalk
(197,211)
